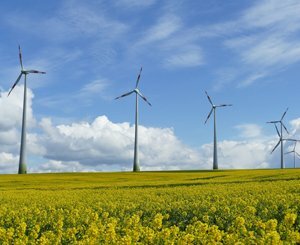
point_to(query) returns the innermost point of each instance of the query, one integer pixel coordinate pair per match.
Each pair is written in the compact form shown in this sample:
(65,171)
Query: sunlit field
(193,207)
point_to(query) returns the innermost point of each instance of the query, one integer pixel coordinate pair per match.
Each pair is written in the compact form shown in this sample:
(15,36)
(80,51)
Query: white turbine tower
(294,150)
(213,109)
(22,159)
(136,164)
(280,136)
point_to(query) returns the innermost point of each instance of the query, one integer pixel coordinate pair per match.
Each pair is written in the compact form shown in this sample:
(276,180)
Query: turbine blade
(35,71)
(144,98)
(285,128)
(277,131)
(14,85)
(276,146)
(209,99)
(297,154)
(284,114)
(291,140)
(123,95)
(20,58)
(209,114)
(223,105)
(138,78)
(273,122)
(288,152)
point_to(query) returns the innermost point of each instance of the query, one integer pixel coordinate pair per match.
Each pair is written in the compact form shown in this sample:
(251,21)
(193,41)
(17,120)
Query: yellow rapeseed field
(192,207)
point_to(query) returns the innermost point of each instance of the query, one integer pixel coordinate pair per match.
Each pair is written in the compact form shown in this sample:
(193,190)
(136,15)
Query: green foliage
(223,207)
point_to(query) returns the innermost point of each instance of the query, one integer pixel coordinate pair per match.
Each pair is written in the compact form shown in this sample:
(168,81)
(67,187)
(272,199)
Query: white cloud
(85,19)
(73,20)
(60,166)
(273,50)
(274,14)
(33,144)
(245,154)
(94,87)
(8,163)
(9,137)
(87,93)
(188,58)
(163,29)
(106,146)
(225,76)
(177,45)
(11,109)
(249,130)
(263,37)
(105,143)
(252,78)
(296,126)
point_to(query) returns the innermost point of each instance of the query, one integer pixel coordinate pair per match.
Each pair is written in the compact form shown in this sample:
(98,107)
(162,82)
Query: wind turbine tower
(213,110)
(22,159)
(293,151)
(280,136)
(136,163)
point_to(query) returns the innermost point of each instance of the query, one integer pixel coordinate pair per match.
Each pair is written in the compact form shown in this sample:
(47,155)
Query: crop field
(192,207)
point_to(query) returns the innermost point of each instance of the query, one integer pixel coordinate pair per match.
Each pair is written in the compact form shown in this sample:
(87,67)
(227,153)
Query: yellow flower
(290,219)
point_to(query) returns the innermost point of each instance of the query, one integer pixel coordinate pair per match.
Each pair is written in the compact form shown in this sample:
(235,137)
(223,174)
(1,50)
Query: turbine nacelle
(136,90)
(281,139)
(23,72)
(213,106)
(280,121)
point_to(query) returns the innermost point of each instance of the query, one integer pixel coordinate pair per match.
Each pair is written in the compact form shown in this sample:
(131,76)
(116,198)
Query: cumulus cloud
(296,127)
(249,130)
(245,154)
(8,163)
(11,108)
(103,142)
(60,166)
(102,145)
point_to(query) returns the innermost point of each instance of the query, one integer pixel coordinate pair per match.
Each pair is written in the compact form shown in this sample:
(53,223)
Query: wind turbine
(213,109)
(22,160)
(136,164)
(280,136)
(293,151)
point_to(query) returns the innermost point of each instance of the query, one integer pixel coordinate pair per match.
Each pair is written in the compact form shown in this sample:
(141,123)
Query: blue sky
(242,52)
